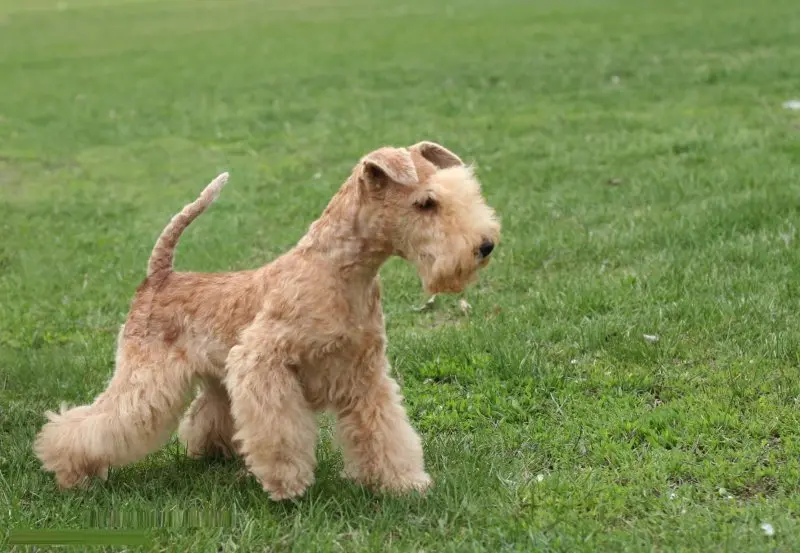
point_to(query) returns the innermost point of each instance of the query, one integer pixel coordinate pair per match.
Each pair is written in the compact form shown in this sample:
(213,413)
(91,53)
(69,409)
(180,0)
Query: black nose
(486,248)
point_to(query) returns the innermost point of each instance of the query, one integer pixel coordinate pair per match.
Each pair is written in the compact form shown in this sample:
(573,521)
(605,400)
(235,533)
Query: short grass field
(627,374)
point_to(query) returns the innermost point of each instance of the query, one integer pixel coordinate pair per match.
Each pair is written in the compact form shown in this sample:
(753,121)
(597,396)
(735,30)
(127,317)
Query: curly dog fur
(272,346)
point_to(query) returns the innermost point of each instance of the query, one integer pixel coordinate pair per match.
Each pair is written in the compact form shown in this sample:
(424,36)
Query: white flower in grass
(769,531)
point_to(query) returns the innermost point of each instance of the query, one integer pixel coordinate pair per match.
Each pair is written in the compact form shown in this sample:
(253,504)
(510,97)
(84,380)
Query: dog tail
(164,250)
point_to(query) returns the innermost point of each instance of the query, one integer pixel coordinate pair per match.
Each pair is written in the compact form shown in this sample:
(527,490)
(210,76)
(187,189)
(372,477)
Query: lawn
(627,377)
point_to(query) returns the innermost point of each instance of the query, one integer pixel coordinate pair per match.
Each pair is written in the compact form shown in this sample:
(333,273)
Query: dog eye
(426,205)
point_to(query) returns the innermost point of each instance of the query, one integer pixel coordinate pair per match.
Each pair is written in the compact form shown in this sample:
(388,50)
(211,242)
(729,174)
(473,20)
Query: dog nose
(486,248)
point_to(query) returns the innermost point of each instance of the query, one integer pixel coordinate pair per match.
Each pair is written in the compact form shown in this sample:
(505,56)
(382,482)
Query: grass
(648,182)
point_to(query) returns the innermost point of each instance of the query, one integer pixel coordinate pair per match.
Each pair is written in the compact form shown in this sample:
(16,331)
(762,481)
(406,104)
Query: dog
(270,347)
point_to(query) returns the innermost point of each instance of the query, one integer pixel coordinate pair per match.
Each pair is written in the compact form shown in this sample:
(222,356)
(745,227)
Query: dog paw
(80,477)
(282,491)
(72,479)
(421,483)
(351,472)
(218,449)
(281,488)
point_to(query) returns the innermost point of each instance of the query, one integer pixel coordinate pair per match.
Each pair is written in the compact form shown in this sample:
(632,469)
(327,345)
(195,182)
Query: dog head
(427,206)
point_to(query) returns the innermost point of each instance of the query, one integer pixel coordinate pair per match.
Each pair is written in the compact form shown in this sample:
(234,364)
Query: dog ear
(388,164)
(437,154)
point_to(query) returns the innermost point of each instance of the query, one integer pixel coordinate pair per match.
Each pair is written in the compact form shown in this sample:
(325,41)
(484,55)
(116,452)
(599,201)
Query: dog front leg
(381,449)
(274,423)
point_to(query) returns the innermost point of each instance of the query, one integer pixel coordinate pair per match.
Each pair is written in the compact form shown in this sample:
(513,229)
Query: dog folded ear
(388,164)
(437,154)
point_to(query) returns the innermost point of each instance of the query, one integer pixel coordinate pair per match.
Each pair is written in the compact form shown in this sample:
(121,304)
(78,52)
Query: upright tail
(164,250)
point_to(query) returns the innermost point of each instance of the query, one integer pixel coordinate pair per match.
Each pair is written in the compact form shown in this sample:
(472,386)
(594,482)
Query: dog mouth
(451,275)
(447,279)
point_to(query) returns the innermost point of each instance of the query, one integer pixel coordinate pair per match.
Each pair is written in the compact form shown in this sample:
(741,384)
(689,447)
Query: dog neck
(341,238)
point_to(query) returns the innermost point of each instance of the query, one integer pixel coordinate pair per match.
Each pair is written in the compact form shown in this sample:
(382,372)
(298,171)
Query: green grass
(648,181)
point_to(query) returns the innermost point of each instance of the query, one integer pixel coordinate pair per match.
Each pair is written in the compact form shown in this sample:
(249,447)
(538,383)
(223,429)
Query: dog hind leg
(207,427)
(134,416)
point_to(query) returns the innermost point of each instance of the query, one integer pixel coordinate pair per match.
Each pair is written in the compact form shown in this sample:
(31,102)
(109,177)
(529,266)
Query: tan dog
(272,346)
